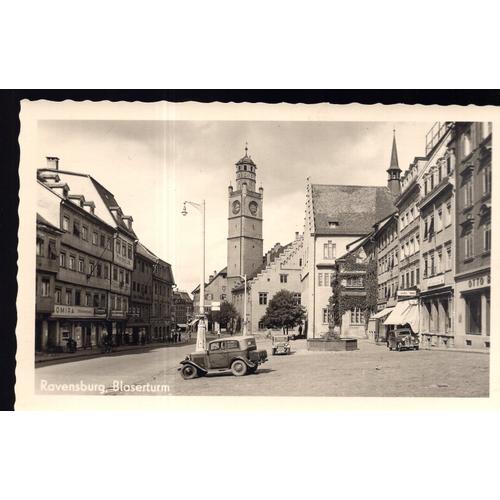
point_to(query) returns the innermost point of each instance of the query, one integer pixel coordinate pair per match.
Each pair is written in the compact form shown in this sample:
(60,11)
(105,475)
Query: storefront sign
(407,293)
(73,311)
(435,281)
(479,281)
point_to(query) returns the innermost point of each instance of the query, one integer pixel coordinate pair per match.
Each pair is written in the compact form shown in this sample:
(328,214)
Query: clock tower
(244,241)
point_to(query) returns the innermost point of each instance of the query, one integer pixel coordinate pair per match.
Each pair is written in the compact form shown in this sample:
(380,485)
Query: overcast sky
(153,166)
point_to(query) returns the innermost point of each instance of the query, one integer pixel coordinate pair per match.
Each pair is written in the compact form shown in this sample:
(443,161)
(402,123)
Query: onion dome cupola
(246,172)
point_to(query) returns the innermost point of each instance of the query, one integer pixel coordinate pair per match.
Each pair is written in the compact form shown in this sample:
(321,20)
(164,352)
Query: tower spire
(246,148)
(394,179)
(394,155)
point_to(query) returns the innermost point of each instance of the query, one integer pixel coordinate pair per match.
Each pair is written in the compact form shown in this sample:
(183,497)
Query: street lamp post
(245,306)
(201,339)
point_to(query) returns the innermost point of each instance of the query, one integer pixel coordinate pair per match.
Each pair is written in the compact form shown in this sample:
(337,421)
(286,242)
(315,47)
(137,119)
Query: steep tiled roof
(144,252)
(110,202)
(349,210)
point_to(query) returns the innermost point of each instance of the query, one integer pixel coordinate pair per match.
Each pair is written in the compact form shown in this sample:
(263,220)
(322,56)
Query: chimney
(52,162)
(296,235)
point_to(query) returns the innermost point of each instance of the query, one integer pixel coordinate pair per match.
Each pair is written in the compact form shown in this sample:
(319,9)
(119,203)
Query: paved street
(370,371)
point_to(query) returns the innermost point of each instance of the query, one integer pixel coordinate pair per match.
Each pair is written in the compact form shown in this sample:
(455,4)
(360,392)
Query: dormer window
(333,223)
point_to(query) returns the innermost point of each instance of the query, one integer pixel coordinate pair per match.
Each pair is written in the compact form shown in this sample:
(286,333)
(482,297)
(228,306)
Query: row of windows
(438,172)
(411,278)
(82,231)
(410,247)
(78,297)
(357,316)
(387,290)
(438,261)
(387,238)
(325,279)
(408,217)
(91,267)
(437,220)
(388,262)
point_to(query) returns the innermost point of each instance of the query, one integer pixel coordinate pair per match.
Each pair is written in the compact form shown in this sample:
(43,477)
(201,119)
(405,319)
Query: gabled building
(183,312)
(336,216)
(118,244)
(280,270)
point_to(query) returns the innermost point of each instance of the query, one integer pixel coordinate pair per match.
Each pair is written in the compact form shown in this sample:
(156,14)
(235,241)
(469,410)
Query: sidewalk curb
(95,354)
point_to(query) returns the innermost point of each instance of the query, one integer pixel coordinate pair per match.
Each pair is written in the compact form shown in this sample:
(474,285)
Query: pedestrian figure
(300,330)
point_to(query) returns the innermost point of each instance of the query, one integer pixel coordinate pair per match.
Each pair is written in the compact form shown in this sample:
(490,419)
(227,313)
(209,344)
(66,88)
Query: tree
(283,311)
(226,316)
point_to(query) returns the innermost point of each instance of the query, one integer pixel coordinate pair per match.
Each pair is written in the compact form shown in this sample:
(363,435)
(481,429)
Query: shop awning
(412,317)
(405,312)
(181,325)
(382,313)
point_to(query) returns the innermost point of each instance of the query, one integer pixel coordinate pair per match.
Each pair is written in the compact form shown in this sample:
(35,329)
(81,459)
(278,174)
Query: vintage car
(280,344)
(238,354)
(402,339)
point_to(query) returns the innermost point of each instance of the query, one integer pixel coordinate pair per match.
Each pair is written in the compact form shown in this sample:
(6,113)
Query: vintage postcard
(275,256)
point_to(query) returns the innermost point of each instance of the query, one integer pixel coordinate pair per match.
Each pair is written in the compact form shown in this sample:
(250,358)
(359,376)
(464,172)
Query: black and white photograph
(249,254)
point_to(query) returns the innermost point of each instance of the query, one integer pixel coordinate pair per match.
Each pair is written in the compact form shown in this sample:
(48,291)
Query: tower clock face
(236,207)
(253,207)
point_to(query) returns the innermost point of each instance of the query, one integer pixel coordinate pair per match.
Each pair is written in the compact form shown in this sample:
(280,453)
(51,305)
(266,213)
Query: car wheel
(239,368)
(189,372)
(416,348)
(253,370)
(274,352)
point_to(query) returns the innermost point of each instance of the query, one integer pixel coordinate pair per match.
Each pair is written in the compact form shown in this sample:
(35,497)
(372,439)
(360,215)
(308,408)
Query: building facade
(335,217)
(82,284)
(471,143)
(282,271)
(141,301)
(437,214)
(183,311)
(86,252)
(162,319)
(48,247)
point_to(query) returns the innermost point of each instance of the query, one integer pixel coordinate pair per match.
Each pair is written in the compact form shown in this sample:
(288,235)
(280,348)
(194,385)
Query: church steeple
(394,179)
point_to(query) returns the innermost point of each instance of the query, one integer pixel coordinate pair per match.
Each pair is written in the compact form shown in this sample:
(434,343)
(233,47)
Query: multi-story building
(182,307)
(336,216)
(216,289)
(437,214)
(280,270)
(382,246)
(116,245)
(162,309)
(82,284)
(141,301)
(48,247)
(471,143)
(350,289)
